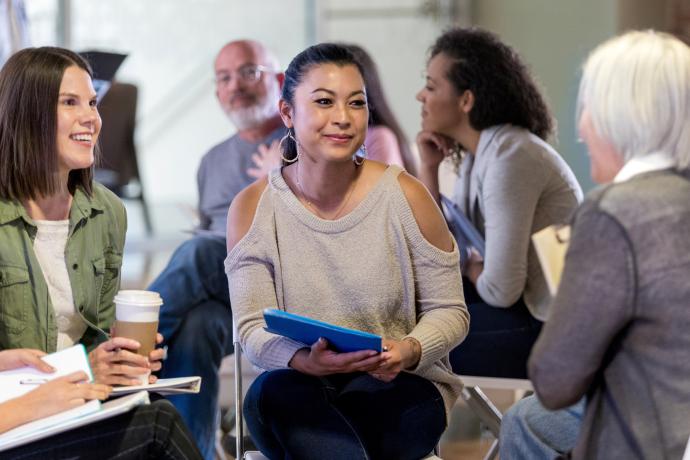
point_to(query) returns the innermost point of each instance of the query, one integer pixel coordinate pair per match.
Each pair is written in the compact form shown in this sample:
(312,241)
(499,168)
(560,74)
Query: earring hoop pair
(288,135)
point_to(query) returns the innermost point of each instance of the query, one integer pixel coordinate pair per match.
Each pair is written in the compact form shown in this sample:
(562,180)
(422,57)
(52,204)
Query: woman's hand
(155,358)
(474,266)
(433,148)
(319,360)
(57,395)
(20,357)
(115,362)
(400,355)
(265,159)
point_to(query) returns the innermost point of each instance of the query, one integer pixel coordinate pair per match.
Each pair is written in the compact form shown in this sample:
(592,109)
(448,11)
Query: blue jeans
(499,340)
(196,323)
(531,432)
(291,415)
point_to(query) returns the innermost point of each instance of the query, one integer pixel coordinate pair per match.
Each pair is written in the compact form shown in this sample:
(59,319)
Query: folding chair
(484,408)
(239,418)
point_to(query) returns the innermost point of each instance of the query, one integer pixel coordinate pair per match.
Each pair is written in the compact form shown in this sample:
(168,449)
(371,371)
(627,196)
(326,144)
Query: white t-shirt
(49,246)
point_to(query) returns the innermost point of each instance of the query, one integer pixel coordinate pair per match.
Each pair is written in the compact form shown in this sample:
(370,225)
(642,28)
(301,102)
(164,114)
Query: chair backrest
(118,111)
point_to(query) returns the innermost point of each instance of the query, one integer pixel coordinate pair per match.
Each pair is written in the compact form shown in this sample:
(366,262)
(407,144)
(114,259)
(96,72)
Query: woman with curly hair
(481,106)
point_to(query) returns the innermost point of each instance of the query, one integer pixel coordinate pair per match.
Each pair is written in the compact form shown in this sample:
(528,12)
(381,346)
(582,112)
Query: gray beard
(254,116)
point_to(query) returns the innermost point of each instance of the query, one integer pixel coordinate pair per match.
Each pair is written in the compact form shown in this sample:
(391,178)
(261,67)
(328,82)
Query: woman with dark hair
(62,240)
(481,106)
(296,242)
(385,141)
(63,234)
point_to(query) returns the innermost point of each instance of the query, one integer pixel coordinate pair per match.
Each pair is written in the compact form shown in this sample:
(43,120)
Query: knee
(514,422)
(200,251)
(279,390)
(207,322)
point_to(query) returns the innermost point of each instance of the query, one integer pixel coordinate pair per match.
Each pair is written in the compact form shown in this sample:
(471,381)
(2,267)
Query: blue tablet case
(308,331)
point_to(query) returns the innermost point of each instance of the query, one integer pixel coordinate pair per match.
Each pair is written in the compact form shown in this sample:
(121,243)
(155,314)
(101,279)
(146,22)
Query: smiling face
(78,122)
(330,112)
(247,87)
(442,107)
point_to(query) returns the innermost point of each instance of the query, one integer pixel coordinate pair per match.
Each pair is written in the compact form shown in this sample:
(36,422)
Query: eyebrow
(76,95)
(359,91)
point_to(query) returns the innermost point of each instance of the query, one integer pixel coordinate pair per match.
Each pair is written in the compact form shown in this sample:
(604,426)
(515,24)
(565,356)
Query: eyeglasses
(248,74)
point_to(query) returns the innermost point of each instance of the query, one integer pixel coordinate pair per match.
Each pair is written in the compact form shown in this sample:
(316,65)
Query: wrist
(413,353)
(300,361)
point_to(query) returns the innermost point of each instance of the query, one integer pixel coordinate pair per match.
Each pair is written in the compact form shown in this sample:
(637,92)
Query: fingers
(159,338)
(89,391)
(156,355)
(120,342)
(153,378)
(33,358)
(124,356)
(255,173)
(74,377)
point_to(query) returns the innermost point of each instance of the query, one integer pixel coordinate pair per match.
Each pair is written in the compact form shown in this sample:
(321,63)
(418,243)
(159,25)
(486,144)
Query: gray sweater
(223,174)
(514,186)
(619,327)
(370,270)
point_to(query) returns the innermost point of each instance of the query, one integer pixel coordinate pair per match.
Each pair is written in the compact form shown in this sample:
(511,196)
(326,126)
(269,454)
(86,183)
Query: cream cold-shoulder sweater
(370,270)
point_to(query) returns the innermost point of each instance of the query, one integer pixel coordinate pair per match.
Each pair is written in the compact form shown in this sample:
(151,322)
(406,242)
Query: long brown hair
(29,89)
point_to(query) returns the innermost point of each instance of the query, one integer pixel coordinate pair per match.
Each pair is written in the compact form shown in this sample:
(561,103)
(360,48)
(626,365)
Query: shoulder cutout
(426,212)
(242,210)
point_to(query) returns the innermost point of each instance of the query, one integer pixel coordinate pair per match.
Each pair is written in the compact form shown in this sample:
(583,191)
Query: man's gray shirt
(223,174)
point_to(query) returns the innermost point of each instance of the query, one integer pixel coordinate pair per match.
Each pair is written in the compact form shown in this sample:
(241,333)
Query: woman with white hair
(618,331)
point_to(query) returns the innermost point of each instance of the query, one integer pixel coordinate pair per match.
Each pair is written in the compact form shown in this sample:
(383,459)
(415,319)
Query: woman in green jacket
(62,235)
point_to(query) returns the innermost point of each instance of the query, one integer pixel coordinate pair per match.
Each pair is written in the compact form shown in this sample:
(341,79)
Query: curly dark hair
(503,89)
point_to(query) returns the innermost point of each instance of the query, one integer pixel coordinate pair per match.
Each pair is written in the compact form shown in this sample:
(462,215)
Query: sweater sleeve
(510,192)
(595,301)
(252,288)
(442,317)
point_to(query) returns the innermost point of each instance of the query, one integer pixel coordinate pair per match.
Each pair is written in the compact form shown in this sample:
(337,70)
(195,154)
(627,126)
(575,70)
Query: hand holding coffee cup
(136,318)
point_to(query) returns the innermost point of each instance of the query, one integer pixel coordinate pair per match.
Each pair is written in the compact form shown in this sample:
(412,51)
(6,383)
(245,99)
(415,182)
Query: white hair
(636,89)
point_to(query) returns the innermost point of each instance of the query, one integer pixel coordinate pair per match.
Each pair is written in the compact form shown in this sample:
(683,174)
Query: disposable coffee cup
(136,317)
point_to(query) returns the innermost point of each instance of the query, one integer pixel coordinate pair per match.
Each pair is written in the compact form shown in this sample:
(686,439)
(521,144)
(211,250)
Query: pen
(32,381)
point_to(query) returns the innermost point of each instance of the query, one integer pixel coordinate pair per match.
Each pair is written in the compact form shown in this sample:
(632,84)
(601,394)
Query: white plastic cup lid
(143,298)
(137,306)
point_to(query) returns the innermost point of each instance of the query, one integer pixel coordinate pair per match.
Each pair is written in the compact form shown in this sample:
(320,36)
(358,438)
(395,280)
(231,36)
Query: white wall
(171,46)
(554,37)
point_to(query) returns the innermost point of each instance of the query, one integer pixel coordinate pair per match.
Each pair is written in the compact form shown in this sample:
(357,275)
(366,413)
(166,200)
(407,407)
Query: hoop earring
(288,135)
(356,157)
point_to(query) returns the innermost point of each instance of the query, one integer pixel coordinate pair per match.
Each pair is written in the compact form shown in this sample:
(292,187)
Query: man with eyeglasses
(196,319)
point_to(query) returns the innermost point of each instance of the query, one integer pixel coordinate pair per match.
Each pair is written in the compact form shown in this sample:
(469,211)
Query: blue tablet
(308,331)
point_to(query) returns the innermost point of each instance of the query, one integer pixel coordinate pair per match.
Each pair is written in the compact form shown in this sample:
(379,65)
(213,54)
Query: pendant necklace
(313,207)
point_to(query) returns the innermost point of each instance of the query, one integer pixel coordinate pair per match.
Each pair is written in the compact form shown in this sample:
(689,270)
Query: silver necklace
(313,207)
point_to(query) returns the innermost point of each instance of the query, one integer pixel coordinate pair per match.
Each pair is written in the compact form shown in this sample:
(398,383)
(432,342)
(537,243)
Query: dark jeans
(151,431)
(500,339)
(196,323)
(349,416)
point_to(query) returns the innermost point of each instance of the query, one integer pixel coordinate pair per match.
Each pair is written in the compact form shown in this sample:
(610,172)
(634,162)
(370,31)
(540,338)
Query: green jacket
(93,254)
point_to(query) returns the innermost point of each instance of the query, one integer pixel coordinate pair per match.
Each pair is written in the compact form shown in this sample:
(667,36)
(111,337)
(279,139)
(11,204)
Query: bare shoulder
(242,211)
(426,212)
